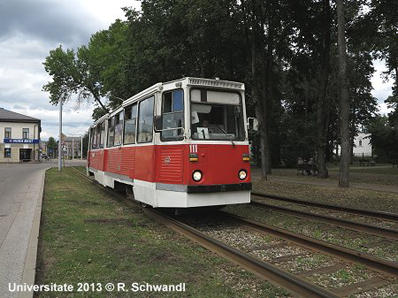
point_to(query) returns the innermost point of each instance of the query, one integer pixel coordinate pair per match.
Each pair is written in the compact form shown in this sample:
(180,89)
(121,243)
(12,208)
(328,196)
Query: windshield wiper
(230,138)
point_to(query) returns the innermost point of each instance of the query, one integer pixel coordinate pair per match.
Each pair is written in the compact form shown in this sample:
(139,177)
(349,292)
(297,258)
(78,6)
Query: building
(72,147)
(362,145)
(19,137)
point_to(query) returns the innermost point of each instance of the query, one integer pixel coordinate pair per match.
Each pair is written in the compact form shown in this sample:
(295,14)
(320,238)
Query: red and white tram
(178,144)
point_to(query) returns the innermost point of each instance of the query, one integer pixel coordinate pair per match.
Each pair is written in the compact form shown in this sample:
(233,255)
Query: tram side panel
(170,163)
(144,177)
(128,162)
(96,164)
(114,158)
(96,159)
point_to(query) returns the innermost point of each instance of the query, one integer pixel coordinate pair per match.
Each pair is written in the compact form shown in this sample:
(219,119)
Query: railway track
(384,268)
(295,283)
(378,264)
(362,212)
(345,223)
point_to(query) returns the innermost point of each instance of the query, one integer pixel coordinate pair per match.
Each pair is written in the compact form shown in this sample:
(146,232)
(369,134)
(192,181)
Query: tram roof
(187,81)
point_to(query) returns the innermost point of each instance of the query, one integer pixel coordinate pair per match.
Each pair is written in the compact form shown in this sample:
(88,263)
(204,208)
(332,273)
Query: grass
(351,197)
(380,175)
(87,236)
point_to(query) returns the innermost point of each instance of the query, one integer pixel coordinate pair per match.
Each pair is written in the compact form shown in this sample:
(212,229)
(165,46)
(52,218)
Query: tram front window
(216,115)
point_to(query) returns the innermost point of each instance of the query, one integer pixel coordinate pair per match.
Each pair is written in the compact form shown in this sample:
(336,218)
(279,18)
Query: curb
(29,272)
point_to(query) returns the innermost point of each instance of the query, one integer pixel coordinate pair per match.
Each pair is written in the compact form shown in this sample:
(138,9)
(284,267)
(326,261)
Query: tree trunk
(269,82)
(322,106)
(260,93)
(344,100)
(259,109)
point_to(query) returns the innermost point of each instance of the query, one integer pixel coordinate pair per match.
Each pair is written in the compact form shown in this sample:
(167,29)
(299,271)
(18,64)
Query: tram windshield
(216,115)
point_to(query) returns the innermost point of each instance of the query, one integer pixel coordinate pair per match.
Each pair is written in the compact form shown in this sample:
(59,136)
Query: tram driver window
(216,115)
(145,121)
(173,115)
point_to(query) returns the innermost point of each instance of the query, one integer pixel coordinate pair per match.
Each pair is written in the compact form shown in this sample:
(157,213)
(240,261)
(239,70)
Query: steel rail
(262,269)
(357,226)
(370,213)
(378,264)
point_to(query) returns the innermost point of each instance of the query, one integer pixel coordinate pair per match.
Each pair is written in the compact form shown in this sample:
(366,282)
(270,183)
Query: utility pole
(60,137)
(73,148)
(81,148)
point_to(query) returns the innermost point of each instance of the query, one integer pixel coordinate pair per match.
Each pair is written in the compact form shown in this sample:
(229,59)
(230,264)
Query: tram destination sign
(21,141)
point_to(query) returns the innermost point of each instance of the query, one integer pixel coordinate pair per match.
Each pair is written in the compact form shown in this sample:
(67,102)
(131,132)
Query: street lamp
(60,137)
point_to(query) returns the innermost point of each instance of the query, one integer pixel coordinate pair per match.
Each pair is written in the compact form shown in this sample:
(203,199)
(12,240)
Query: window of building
(130,123)
(7,152)
(145,121)
(173,115)
(25,133)
(360,143)
(7,133)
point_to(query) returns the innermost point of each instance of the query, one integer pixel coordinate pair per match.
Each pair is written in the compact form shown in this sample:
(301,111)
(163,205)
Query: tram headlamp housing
(242,174)
(197,176)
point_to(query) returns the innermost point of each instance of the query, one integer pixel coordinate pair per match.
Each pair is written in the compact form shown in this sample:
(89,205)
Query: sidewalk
(20,209)
(310,180)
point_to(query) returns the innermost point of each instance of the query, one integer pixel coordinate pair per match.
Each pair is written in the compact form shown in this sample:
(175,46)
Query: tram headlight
(242,174)
(197,176)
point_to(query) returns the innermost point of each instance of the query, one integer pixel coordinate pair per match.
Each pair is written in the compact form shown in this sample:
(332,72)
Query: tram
(177,144)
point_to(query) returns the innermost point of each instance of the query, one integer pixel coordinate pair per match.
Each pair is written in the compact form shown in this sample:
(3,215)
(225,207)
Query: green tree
(384,139)
(69,77)
(52,146)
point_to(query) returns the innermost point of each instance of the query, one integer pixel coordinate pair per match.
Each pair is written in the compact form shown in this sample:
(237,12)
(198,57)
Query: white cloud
(28,31)
(381,88)
(108,11)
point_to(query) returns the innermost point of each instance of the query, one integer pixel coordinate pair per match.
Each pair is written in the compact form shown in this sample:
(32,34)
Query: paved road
(20,199)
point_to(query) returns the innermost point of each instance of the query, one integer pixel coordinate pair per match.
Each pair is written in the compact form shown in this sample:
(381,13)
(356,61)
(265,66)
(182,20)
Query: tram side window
(130,124)
(102,138)
(145,121)
(173,115)
(98,135)
(111,131)
(94,144)
(118,129)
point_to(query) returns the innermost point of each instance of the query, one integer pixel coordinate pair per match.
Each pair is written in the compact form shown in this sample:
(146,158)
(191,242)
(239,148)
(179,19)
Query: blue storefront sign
(21,141)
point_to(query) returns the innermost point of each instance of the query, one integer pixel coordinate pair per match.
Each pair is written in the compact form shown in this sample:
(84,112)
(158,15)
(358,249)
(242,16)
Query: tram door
(25,155)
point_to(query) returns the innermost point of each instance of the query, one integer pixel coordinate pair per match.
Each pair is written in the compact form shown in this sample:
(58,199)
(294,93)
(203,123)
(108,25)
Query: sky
(29,29)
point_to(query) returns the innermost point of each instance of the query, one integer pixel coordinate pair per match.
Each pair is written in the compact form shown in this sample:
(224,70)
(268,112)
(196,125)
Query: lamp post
(60,137)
